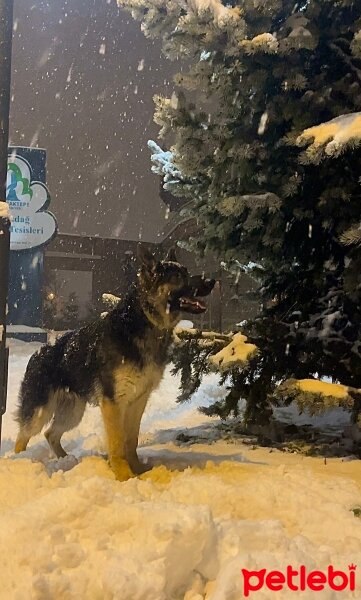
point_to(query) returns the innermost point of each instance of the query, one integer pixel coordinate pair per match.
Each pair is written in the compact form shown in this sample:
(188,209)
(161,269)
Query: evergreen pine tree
(255,76)
(70,312)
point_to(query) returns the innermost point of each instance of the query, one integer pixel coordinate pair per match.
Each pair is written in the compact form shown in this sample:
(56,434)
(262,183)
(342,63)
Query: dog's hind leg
(32,425)
(69,411)
(113,414)
(36,401)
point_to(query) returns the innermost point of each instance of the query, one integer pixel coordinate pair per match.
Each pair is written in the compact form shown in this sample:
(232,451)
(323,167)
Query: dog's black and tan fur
(115,362)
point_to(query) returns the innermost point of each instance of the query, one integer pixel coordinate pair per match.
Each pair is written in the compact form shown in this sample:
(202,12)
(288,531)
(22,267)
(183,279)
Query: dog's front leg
(114,420)
(132,421)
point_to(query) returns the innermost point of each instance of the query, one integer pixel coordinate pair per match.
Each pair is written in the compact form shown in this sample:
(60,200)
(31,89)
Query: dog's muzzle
(189,299)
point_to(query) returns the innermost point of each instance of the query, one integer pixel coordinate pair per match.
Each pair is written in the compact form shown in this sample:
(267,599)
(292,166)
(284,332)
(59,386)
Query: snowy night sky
(83,81)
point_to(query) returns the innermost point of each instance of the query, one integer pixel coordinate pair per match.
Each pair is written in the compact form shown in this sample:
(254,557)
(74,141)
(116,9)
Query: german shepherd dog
(115,362)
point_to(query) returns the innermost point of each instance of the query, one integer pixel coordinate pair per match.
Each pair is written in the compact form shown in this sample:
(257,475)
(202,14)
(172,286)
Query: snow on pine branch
(352,236)
(236,354)
(333,136)
(316,396)
(232,350)
(220,12)
(181,10)
(163,163)
(315,386)
(265,42)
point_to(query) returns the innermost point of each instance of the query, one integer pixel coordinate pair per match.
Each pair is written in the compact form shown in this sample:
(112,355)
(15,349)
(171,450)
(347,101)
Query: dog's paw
(120,468)
(139,468)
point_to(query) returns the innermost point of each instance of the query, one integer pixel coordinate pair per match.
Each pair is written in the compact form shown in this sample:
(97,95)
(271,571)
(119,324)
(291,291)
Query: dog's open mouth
(190,299)
(192,305)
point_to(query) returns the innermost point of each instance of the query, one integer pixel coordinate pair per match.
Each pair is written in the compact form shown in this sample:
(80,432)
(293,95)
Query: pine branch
(351,237)
(346,58)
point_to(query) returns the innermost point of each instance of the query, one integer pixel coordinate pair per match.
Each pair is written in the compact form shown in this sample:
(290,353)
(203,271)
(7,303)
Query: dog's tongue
(193,304)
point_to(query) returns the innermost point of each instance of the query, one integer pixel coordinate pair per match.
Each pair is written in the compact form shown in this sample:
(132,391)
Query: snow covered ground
(184,530)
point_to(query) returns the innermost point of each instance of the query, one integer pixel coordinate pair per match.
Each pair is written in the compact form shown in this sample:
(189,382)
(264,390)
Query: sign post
(6,28)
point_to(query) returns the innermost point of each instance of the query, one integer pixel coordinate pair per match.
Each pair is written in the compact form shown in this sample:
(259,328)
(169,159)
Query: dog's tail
(36,405)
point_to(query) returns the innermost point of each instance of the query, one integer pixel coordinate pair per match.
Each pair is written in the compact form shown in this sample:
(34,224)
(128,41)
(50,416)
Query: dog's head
(167,289)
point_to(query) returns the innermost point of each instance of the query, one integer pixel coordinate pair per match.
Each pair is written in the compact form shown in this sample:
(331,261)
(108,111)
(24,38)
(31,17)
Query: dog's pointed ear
(146,258)
(171,256)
